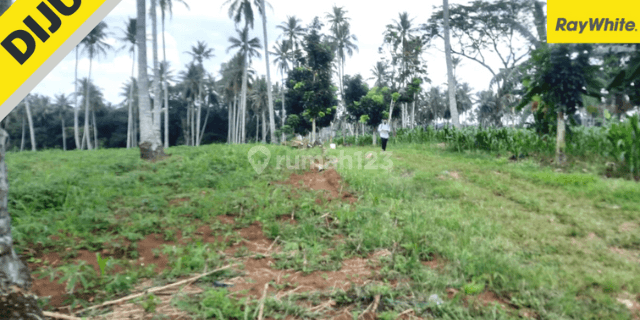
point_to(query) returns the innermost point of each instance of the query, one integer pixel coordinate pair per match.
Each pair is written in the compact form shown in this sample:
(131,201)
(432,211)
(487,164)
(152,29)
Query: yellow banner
(593,21)
(35,35)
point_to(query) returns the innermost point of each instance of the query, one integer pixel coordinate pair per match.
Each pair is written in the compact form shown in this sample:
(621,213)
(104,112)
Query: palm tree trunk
(199,114)
(30,120)
(272,121)
(64,135)
(313,130)
(257,126)
(136,118)
(238,118)
(453,109)
(193,127)
(413,112)
(282,117)
(151,145)
(12,269)
(76,130)
(244,99)
(86,103)
(166,88)
(204,126)
(166,114)
(264,128)
(130,119)
(23,132)
(188,137)
(560,140)
(229,121)
(157,100)
(95,128)
(391,110)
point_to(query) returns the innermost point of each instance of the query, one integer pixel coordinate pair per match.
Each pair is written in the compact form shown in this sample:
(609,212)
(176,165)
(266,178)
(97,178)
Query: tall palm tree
(453,109)
(62,104)
(232,75)
(129,42)
(200,52)
(339,26)
(281,50)
(166,6)
(344,42)
(210,98)
(380,74)
(259,99)
(94,44)
(191,80)
(150,146)
(399,35)
(243,9)
(293,31)
(248,48)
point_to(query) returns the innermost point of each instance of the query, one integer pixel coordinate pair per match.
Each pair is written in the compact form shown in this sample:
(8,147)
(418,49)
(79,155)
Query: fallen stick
(133,296)
(264,297)
(290,292)
(376,301)
(274,242)
(59,316)
(408,311)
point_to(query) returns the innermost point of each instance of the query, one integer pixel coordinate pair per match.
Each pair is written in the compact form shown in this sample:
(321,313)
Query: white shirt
(384,130)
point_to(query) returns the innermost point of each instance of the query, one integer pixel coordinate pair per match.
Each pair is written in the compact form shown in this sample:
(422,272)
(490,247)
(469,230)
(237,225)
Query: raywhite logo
(259,166)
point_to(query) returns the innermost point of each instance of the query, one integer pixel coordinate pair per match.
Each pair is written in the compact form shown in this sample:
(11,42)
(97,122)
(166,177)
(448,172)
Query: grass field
(493,238)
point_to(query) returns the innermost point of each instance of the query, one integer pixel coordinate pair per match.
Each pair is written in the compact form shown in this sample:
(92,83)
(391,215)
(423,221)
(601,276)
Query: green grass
(538,238)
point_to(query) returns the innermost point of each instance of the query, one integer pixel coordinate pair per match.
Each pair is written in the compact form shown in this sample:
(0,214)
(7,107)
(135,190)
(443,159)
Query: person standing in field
(384,130)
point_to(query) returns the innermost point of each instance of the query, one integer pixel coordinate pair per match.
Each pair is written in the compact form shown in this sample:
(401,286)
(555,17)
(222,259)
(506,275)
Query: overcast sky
(208,21)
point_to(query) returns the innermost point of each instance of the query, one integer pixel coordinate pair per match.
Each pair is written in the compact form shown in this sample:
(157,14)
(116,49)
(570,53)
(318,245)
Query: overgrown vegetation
(543,241)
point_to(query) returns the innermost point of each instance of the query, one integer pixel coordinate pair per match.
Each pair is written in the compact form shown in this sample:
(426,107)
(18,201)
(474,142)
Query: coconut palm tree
(453,109)
(151,145)
(293,31)
(199,53)
(339,26)
(210,98)
(62,104)
(191,80)
(282,52)
(259,99)
(129,42)
(166,6)
(232,74)
(166,75)
(380,74)
(94,44)
(243,9)
(248,48)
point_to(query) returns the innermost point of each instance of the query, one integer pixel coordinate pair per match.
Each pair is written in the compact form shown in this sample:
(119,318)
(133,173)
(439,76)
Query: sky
(208,21)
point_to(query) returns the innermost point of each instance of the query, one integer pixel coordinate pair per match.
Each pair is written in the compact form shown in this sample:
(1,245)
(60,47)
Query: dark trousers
(384,144)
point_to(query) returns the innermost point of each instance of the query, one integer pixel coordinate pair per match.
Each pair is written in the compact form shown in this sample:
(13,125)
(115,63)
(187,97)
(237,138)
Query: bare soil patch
(627,227)
(177,202)
(327,180)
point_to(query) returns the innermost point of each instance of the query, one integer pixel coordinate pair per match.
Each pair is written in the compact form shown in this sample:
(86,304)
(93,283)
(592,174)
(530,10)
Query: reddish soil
(487,298)
(225,219)
(176,202)
(436,263)
(327,180)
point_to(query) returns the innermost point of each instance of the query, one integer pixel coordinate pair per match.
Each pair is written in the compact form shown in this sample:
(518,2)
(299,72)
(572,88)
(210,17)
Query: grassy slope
(538,238)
